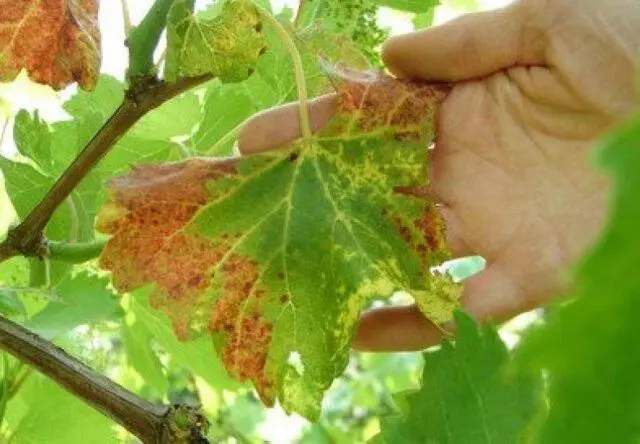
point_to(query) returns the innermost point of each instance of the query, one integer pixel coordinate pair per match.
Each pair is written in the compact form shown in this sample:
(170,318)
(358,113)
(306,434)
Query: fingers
(494,294)
(454,234)
(471,46)
(395,329)
(277,127)
(489,294)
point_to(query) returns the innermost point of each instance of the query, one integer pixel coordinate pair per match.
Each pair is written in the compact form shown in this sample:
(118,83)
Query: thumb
(474,45)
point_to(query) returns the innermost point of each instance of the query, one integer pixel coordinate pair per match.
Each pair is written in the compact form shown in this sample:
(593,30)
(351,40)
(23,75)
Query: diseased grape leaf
(589,346)
(56,41)
(275,254)
(226,46)
(468,394)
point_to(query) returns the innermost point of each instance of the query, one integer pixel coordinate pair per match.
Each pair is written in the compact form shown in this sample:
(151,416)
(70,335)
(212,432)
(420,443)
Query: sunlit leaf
(54,416)
(82,299)
(417,6)
(226,46)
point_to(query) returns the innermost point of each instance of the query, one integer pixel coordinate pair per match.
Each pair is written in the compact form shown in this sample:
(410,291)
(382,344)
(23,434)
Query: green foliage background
(472,390)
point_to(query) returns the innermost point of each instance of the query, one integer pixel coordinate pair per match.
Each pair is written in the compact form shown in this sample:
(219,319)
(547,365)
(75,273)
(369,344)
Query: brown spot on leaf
(425,235)
(432,227)
(404,231)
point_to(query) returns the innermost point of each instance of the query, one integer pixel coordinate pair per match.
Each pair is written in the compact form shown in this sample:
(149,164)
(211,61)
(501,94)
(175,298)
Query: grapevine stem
(301,84)
(75,253)
(153,424)
(143,39)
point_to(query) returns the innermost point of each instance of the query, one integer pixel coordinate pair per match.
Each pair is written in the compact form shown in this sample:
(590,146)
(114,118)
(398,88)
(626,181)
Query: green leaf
(54,416)
(238,103)
(198,356)
(424,19)
(226,46)
(354,20)
(468,394)
(14,272)
(137,339)
(397,371)
(416,6)
(589,345)
(465,5)
(10,304)
(83,299)
(32,139)
(26,186)
(101,102)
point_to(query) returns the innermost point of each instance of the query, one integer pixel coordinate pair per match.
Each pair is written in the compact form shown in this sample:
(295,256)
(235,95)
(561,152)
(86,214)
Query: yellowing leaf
(56,41)
(275,255)
(226,46)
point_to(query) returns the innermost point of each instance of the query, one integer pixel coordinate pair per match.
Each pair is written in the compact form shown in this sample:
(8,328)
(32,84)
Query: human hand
(536,84)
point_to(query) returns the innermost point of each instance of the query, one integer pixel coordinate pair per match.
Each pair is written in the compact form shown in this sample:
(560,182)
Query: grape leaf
(589,345)
(82,299)
(141,356)
(226,46)
(464,5)
(275,254)
(424,19)
(55,416)
(467,394)
(415,6)
(31,136)
(14,275)
(353,19)
(26,186)
(57,42)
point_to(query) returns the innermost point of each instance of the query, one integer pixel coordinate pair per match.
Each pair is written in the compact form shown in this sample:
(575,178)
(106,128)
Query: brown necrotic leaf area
(56,41)
(375,101)
(237,315)
(148,217)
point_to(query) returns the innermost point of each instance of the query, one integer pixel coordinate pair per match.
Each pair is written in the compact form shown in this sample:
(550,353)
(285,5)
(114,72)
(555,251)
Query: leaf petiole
(301,84)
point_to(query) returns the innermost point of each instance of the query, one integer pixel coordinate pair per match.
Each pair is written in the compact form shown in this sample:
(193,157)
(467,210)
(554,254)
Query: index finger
(279,126)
